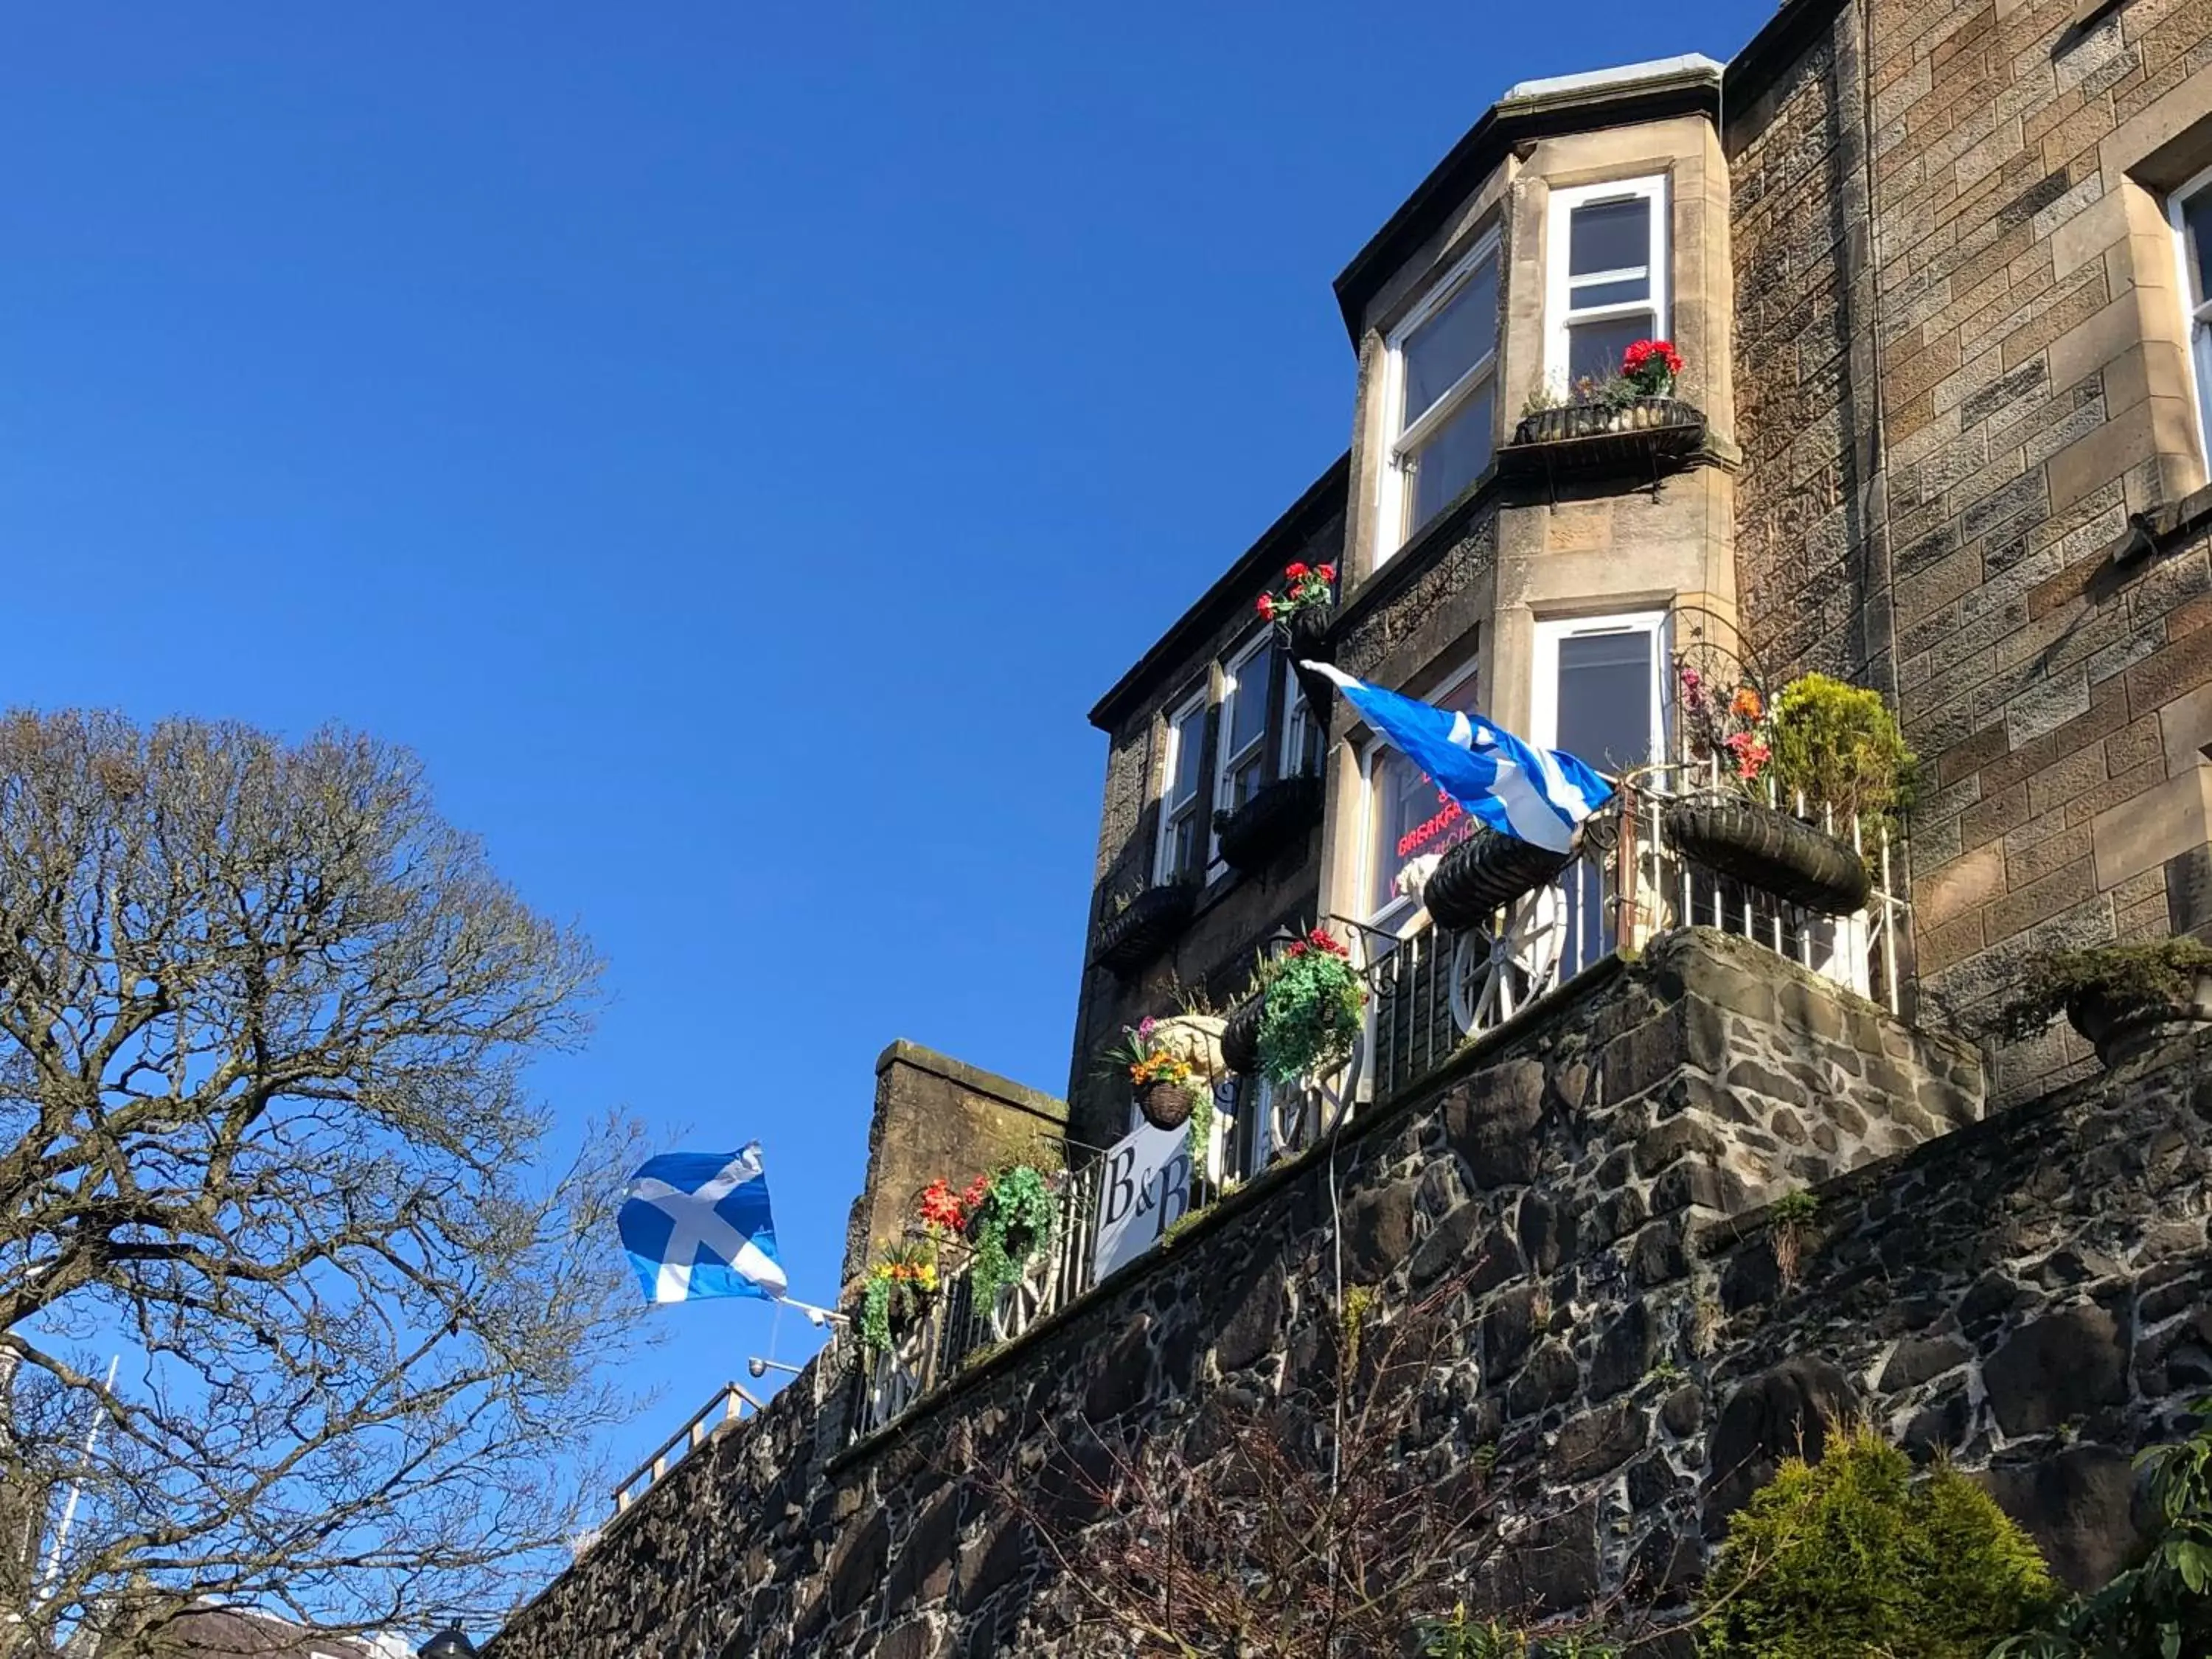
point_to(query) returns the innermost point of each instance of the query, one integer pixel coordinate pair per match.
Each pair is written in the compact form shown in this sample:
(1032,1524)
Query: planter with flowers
(1313,1005)
(901,1285)
(1830,752)
(1301,609)
(1630,416)
(1162,1074)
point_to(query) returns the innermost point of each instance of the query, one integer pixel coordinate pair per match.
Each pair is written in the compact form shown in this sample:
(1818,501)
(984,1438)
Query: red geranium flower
(1267,606)
(1294,571)
(1328,573)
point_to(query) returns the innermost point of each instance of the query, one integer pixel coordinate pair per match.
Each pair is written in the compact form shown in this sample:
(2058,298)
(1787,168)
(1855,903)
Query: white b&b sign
(1146,1191)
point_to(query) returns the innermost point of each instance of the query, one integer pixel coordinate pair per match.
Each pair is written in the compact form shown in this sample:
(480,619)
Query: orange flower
(1746,705)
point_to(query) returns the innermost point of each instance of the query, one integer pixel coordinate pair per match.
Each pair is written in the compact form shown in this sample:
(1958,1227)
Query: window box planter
(2120,1027)
(1644,432)
(1144,927)
(1482,873)
(1772,851)
(1240,1038)
(1309,642)
(1278,814)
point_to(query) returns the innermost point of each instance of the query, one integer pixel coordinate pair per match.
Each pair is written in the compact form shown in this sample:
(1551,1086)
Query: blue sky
(734,445)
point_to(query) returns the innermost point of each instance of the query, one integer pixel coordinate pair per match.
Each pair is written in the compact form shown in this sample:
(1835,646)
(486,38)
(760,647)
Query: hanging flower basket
(1484,872)
(1009,1227)
(1277,814)
(1144,927)
(2125,998)
(1167,1105)
(1240,1038)
(1770,851)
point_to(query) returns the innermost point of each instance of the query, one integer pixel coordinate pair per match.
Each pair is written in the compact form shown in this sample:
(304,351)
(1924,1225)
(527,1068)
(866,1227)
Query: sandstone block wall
(1637,1341)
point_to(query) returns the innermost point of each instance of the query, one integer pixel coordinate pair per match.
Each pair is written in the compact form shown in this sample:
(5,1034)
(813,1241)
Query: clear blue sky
(733,444)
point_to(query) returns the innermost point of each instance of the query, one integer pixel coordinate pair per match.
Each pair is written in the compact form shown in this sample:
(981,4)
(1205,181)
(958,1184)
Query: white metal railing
(729,1404)
(954,1330)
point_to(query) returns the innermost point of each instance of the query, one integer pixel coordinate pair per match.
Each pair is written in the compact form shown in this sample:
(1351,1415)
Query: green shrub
(2156,974)
(1853,1556)
(2161,1607)
(1838,745)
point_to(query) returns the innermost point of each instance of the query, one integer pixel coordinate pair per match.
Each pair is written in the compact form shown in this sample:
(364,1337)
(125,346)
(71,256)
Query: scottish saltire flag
(1539,795)
(697,1224)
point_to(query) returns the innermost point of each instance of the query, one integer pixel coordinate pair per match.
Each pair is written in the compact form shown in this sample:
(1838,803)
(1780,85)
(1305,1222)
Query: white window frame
(1232,687)
(1559,296)
(2196,308)
(1297,719)
(1402,914)
(1194,704)
(1544,693)
(1392,530)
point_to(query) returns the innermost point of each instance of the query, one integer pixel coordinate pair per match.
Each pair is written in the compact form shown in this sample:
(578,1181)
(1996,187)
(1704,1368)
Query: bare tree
(264,1022)
(1324,1523)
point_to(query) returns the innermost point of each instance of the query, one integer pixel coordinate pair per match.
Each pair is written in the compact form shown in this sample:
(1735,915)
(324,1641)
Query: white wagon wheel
(1021,1301)
(1314,1106)
(897,1381)
(1495,975)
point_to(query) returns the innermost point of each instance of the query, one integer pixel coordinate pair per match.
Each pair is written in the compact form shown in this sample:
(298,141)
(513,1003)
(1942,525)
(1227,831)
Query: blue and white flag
(697,1224)
(1537,795)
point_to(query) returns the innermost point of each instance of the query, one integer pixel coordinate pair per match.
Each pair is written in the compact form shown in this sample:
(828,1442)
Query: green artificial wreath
(1313,1007)
(1017,1209)
(900,1284)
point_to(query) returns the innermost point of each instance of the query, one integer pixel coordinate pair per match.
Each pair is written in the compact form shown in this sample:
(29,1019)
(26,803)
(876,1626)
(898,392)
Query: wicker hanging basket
(1770,850)
(1484,872)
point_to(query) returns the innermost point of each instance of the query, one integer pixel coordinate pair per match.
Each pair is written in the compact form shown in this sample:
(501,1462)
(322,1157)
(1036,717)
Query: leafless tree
(1325,1523)
(264,1018)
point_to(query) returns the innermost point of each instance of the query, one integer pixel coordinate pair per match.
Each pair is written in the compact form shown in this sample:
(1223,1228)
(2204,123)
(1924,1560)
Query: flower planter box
(1483,872)
(1645,433)
(1278,814)
(1772,851)
(1147,927)
(1309,642)
(2120,1028)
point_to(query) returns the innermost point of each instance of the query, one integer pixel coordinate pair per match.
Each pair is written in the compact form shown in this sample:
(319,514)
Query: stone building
(1935,274)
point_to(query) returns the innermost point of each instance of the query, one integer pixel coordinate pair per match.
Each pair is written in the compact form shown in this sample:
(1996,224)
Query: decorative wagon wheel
(1494,975)
(1315,1105)
(897,1381)
(1020,1303)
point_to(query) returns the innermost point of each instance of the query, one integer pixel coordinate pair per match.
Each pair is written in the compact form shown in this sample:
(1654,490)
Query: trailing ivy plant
(900,1286)
(1010,1228)
(1313,1005)
(2161,1607)
(1197,1130)
(2162,973)
(1852,1555)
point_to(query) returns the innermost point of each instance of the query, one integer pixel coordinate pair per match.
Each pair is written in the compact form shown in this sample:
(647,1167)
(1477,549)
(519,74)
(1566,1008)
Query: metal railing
(730,1402)
(957,1329)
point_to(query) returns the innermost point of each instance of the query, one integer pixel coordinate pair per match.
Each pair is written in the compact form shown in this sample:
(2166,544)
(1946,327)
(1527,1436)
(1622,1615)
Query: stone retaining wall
(1635,1343)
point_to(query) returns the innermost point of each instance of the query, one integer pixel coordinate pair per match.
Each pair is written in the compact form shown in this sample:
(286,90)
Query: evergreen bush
(1853,1556)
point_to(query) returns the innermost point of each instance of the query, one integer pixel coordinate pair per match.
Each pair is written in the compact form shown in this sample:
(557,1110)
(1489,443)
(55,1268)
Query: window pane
(1243,780)
(1456,339)
(1605,699)
(1609,236)
(1184,858)
(1189,750)
(2196,214)
(1248,702)
(1455,455)
(1588,296)
(1594,349)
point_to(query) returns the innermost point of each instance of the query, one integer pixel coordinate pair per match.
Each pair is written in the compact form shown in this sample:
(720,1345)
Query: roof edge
(1173,644)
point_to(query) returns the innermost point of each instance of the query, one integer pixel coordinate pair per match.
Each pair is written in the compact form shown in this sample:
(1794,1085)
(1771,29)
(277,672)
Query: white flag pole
(76,1488)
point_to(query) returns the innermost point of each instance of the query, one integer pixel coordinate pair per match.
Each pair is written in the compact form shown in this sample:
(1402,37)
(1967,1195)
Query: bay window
(2189,208)
(1182,855)
(1440,397)
(1606,277)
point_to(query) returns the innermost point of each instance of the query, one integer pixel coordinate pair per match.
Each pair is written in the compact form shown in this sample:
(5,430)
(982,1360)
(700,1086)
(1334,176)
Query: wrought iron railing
(955,1330)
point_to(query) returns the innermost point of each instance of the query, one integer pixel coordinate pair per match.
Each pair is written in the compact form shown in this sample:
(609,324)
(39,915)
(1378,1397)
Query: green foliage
(1852,1556)
(1312,1008)
(1197,1130)
(1013,1224)
(1793,1209)
(1459,1637)
(2161,973)
(1838,745)
(1358,1302)
(2161,1607)
(900,1286)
